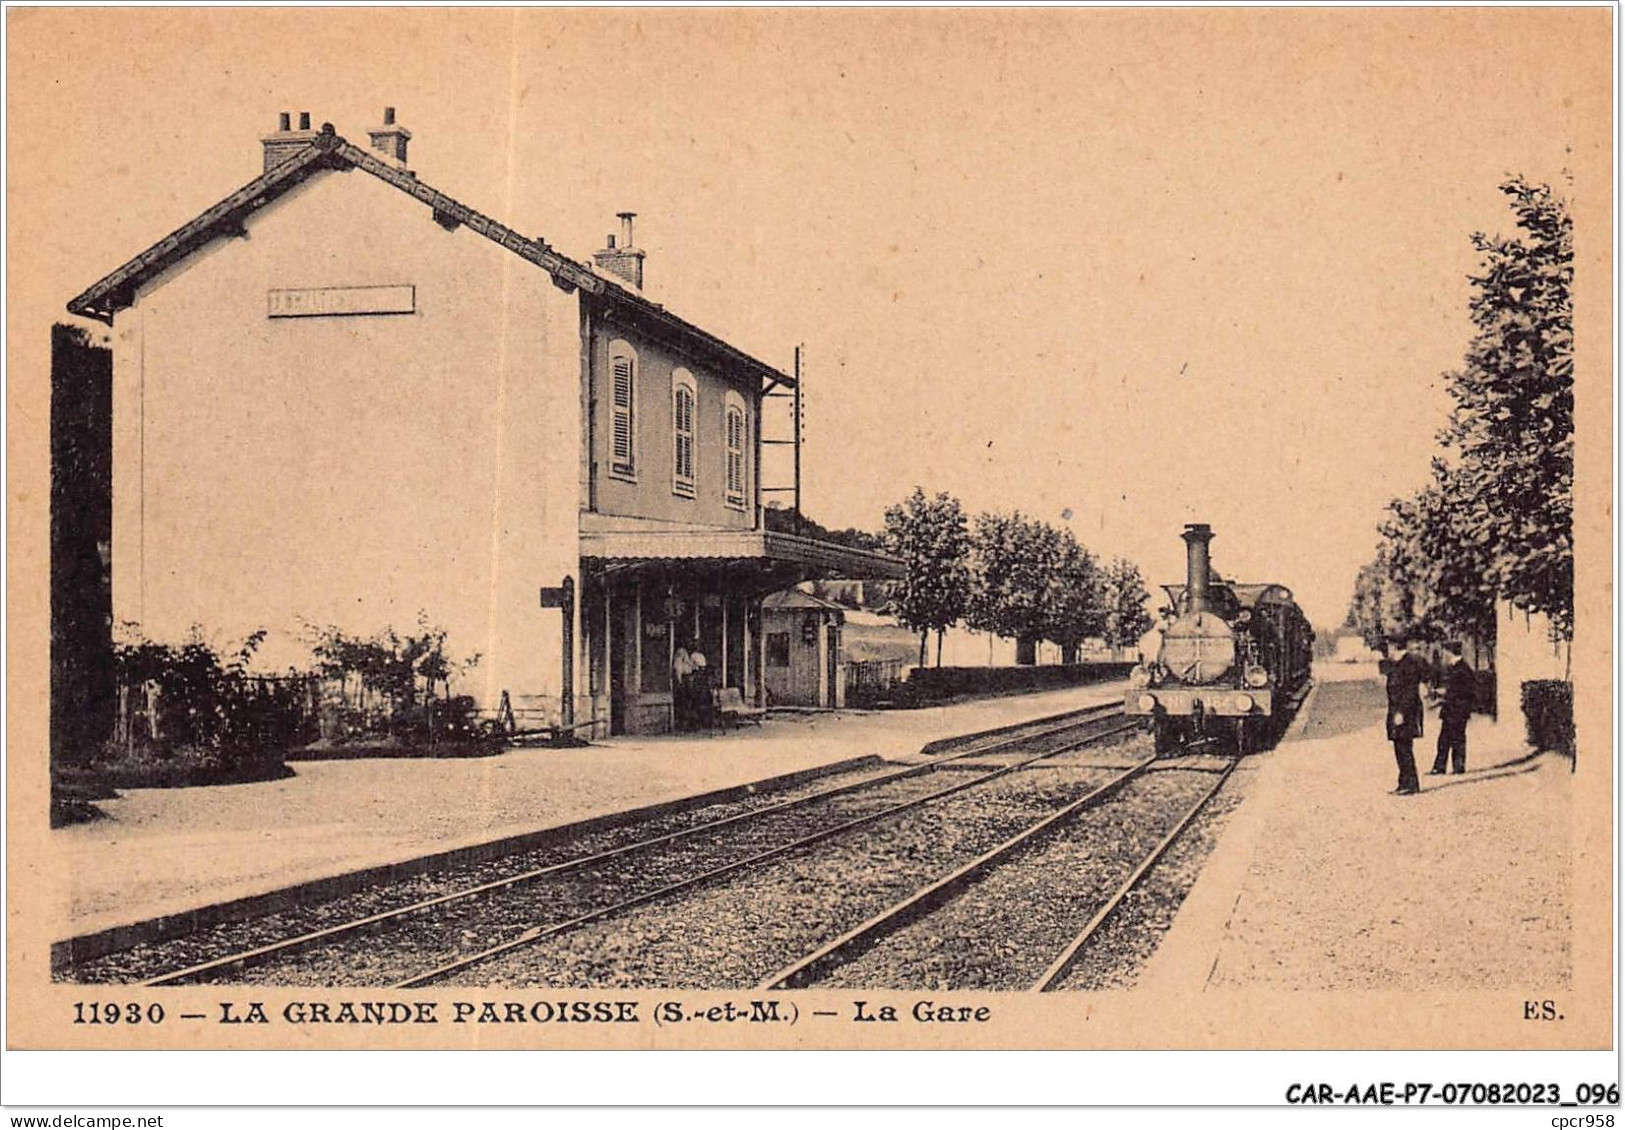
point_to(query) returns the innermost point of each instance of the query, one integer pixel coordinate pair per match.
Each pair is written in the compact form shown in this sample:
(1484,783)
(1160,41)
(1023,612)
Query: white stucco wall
(1524,651)
(350,470)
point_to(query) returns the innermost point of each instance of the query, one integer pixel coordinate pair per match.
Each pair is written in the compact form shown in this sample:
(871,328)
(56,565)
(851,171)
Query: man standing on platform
(1405,671)
(1454,712)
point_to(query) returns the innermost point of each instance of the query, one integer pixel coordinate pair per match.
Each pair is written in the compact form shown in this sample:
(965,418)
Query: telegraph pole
(796,412)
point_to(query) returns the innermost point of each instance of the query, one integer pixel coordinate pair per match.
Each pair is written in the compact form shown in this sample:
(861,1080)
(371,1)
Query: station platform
(1325,880)
(165,851)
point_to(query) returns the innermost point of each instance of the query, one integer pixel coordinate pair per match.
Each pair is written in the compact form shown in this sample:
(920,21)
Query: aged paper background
(123,124)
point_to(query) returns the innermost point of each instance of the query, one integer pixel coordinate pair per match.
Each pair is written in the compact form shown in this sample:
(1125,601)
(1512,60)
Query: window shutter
(622,435)
(683,440)
(736,457)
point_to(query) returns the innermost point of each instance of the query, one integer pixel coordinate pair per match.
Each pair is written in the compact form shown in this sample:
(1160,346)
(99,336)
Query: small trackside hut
(803,653)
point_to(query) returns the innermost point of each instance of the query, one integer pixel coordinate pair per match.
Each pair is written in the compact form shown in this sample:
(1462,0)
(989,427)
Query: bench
(731,707)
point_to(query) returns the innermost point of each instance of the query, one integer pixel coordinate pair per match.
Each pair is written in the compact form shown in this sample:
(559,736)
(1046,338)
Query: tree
(1496,520)
(1373,611)
(1512,426)
(781,520)
(1075,598)
(1125,598)
(931,537)
(1015,565)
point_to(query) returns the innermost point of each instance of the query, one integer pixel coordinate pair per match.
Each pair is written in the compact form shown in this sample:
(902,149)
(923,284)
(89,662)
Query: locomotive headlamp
(1242,702)
(1147,701)
(1140,676)
(1256,676)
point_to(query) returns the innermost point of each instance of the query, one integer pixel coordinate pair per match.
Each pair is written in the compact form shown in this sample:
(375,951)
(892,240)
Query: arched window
(682,432)
(734,423)
(623,369)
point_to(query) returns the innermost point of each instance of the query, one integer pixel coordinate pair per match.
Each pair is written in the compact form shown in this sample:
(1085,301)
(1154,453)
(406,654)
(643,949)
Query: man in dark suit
(1454,712)
(1405,671)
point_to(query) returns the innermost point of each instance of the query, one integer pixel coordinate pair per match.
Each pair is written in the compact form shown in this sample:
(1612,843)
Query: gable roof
(791,599)
(330,150)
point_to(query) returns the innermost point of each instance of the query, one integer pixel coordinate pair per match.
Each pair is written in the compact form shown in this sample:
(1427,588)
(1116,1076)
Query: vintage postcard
(801,529)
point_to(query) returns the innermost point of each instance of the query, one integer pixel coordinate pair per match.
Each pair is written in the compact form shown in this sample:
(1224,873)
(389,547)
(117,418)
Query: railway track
(623,871)
(942,938)
(1106,724)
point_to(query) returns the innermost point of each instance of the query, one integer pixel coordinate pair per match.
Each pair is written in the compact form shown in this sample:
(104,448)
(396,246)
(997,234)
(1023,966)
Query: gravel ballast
(1129,937)
(156,958)
(1003,932)
(737,932)
(414,943)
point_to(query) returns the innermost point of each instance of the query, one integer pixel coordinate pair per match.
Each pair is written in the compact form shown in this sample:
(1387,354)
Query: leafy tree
(780,519)
(1497,517)
(1125,597)
(1016,563)
(1075,598)
(1513,420)
(1440,546)
(1371,611)
(931,537)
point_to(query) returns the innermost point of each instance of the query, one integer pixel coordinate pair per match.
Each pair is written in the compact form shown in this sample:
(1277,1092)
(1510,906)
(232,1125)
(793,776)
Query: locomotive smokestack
(1197,535)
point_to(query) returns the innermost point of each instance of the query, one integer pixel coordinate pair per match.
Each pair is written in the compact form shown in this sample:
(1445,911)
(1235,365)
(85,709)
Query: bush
(1548,711)
(391,687)
(190,701)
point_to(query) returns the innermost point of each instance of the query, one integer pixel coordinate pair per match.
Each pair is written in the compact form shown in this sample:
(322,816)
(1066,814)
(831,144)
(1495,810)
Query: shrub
(1548,711)
(190,698)
(391,686)
(935,684)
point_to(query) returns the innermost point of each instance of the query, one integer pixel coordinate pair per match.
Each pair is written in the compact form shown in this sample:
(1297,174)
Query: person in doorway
(682,687)
(701,705)
(1454,712)
(1404,671)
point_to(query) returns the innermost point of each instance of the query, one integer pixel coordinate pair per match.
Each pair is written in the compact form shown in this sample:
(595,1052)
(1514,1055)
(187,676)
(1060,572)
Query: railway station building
(342,397)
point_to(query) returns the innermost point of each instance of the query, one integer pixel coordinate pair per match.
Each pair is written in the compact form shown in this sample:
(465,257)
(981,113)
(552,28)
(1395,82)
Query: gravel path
(1003,932)
(1466,887)
(739,931)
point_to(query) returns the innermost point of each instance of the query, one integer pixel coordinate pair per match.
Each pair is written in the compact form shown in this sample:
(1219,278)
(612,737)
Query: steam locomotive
(1232,662)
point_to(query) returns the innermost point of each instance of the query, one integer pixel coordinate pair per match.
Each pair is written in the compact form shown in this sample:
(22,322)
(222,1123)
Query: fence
(253,712)
(285,711)
(872,680)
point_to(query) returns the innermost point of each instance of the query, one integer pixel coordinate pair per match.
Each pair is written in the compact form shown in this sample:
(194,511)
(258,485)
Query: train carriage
(1232,661)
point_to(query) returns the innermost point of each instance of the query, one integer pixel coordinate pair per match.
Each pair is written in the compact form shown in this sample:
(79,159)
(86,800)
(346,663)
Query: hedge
(1548,711)
(928,685)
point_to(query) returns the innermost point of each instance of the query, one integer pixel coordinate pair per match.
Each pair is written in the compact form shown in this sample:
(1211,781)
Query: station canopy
(754,561)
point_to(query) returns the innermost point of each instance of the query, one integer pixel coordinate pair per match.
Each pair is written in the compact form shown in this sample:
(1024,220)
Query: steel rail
(540,933)
(916,906)
(259,955)
(1059,967)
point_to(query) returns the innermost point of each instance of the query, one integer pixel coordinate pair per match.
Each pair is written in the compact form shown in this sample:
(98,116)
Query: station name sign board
(341,301)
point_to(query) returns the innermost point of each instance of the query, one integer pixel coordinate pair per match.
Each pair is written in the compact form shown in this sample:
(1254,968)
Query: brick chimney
(389,140)
(287,141)
(626,261)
